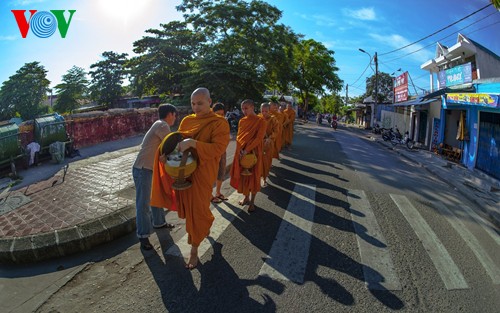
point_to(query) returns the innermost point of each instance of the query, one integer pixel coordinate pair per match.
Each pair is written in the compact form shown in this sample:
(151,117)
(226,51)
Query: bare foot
(243,201)
(193,259)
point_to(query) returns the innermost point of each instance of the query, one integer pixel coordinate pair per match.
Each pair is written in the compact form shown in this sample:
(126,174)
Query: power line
(434,42)
(437,31)
(362,73)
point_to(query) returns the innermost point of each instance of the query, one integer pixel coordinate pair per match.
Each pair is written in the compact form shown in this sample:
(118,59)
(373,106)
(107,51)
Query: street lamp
(394,85)
(375,59)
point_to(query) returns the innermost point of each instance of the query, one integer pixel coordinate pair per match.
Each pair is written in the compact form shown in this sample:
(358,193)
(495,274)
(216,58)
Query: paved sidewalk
(478,187)
(92,203)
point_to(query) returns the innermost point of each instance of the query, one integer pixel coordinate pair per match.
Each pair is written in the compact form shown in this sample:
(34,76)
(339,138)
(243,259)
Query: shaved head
(201,91)
(200,101)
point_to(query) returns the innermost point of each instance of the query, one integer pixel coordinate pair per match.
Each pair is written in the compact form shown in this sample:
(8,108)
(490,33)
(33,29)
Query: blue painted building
(471,121)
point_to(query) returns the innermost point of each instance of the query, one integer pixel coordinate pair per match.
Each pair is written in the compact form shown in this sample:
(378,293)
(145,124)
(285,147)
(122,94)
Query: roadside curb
(85,235)
(69,240)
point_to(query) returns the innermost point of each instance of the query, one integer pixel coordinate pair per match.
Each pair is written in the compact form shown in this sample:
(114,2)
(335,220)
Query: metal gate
(488,152)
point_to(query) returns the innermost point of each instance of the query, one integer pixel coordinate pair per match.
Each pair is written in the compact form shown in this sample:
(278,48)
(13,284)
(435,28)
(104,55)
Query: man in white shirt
(147,216)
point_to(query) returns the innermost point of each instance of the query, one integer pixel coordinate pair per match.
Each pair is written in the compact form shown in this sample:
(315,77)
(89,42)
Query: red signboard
(401,87)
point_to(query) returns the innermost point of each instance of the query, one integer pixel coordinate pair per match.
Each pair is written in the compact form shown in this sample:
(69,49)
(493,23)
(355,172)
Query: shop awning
(458,88)
(418,101)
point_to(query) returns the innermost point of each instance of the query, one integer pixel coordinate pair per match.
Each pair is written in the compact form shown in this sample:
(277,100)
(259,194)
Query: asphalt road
(345,225)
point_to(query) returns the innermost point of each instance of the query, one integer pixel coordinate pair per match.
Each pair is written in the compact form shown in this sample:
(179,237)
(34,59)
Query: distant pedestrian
(147,216)
(218,109)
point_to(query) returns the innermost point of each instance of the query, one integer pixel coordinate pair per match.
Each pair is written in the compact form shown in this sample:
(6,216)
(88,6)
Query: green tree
(24,92)
(163,59)
(315,70)
(332,104)
(74,88)
(234,60)
(385,91)
(107,78)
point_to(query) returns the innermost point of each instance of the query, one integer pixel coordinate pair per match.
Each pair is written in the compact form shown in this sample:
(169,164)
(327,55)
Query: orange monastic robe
(278,143)
(289,130)
(251,132)
(271,134)
(193,204)
(285,128)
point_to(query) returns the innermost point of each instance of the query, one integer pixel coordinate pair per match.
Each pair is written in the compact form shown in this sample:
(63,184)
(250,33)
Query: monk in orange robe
(250,138)
(290,112)
(279,117)
(269,139)
(285,126)
(208,134)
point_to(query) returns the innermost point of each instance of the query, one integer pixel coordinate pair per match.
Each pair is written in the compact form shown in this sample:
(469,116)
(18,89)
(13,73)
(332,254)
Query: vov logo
(43,23)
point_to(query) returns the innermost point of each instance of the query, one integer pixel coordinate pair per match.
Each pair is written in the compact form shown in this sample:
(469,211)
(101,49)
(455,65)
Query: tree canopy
(315,70)
(385,84)
(74,88)
(23,93)
(107,78)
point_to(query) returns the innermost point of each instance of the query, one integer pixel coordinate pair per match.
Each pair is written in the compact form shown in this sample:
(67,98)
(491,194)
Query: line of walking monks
(207,133)
(264,135)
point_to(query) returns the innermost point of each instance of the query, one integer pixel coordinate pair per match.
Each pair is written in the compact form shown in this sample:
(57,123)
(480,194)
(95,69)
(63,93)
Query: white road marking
(445,266)
(289,253)
(183,249)
(378,268)
(483,257)
(487,226)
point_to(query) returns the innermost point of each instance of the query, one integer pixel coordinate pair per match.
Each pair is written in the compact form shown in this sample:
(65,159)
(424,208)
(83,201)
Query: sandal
(216,200)
(167,225)
(222,197)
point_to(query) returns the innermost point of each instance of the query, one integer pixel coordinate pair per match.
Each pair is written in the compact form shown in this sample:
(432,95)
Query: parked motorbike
(397,138)
(386,133)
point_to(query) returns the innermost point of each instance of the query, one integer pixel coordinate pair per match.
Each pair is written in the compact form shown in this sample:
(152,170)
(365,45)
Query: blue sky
(343,26)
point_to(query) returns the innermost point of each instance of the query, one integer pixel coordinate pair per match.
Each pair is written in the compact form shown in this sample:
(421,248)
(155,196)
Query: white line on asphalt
(289,254)
(487,226)
(378,269)
(483,257)
(445,266)
(182,248)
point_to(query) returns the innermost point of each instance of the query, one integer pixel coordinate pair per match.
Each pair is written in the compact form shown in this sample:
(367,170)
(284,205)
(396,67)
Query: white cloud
(397,41)
(26,2)
(323,20)
(318,19)
(365,14)
(7,38)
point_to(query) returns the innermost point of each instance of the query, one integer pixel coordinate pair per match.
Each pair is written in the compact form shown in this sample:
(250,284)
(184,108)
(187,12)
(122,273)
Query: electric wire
(436,32)
(442,39)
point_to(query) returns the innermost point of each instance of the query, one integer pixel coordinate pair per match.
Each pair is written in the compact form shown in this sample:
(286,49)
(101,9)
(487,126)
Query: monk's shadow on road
(322,254)
(310,169)
(216,288)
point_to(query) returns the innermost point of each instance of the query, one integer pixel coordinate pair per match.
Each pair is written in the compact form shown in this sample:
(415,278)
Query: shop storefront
(471,123)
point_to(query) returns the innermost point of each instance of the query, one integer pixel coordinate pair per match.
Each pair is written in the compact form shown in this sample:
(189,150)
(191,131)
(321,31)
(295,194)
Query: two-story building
(462,112)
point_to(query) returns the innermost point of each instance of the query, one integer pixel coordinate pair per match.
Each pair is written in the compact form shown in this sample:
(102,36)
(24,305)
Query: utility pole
(346,94)
(376,91)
